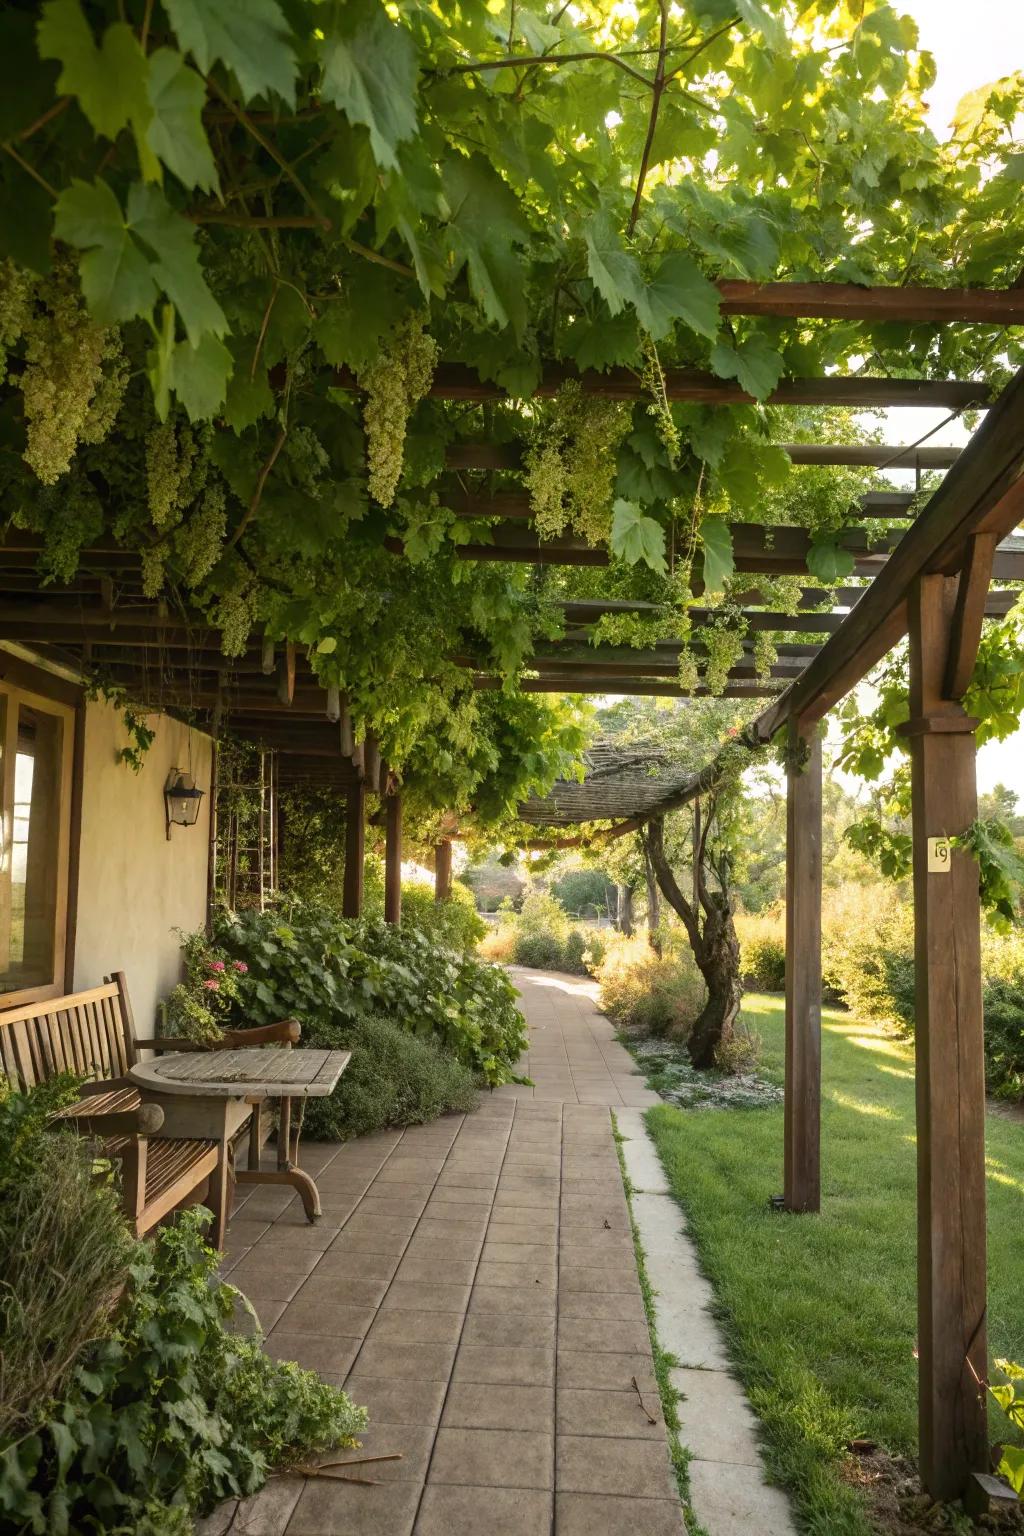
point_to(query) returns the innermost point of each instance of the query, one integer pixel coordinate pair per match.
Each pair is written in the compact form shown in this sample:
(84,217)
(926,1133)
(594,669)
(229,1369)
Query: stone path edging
(728,1489)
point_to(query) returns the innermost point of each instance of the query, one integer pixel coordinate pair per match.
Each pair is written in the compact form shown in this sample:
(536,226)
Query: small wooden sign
(939,856)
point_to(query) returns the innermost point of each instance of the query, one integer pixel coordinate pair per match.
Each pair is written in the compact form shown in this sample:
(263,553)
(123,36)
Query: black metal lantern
(181,800)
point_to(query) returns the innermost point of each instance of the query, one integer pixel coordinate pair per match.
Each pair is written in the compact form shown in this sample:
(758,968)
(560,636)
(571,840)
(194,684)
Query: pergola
(931,582)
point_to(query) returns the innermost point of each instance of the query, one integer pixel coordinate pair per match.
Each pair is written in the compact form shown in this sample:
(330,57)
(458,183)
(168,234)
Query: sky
(973,45)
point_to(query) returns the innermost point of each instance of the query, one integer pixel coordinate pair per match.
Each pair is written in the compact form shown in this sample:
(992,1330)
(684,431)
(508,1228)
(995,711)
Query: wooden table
(213,1093)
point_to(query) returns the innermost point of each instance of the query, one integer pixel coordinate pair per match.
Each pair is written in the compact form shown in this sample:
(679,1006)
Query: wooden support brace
(286,675)
(950,1076)
(971,597)
(802,1185)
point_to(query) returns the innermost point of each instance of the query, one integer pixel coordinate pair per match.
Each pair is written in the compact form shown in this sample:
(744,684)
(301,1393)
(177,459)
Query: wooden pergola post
(945,623)
(443,870)
(802,1182)
(393,858)
(355,834)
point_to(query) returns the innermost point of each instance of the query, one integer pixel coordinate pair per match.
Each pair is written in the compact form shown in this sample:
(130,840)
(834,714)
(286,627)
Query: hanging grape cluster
(653,379)
(765,654)
(395,382)
(572,462)
(724,647)
(16,292)
(74,377)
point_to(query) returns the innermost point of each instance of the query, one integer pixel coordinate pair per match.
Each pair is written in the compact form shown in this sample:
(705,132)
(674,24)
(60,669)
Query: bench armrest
(144,1121)
(103,1085)
(285,1032)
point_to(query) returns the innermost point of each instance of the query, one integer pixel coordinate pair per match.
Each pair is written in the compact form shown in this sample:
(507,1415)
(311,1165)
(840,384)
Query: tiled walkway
(473,1283)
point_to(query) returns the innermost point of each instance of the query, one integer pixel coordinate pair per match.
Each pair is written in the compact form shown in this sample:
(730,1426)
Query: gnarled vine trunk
(712,933)
(653,905)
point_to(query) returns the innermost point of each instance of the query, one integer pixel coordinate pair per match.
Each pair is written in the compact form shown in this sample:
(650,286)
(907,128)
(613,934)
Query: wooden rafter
(501,456)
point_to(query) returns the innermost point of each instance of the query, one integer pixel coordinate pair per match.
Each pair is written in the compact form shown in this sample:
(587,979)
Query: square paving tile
(632,1413)
(430,1272)
(506,1330)
(597,1334)
(314,1315)
(411,1296)
(608,1306)
(416,1362)
(410,1444)
(589,1514)
(331,1508)
(394,1326)
(478,1406)
(493,1458)
(395,1401)
(588,1369)
(595,1464)
(448,1510)
(330,1355)
(515,1365)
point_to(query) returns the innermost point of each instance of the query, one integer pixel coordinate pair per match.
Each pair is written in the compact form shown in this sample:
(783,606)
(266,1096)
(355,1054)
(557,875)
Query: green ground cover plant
(394,1078)
(820,1311)
(327,971)
(127,1404)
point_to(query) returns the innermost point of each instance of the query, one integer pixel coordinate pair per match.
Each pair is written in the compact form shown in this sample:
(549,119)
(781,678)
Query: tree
(708,920)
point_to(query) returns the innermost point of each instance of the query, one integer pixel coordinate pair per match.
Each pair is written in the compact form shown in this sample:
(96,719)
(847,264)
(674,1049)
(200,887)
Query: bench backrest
(90,1033)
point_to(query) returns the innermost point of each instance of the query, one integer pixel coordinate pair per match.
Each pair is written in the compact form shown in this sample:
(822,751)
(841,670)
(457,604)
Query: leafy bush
(65,1251)
(539,936)
(763,962)
(1009,1394)
(392,1079)
(454,923)
(650,994)
(324,970)
(541,951)
(584,891)
(130,1407)
(214,987)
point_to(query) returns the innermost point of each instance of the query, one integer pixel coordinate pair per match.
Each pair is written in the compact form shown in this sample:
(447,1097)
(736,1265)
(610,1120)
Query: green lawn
(820,1310)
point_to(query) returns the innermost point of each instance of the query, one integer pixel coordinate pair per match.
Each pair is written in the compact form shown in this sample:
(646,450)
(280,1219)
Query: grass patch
(820,1311)
(664,1362)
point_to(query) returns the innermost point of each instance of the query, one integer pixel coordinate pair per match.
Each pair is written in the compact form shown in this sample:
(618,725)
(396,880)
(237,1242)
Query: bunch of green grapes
(17,289)
(725,647)
(65,353)
(172,471)
(689,671)
(547,483)
(154,559)
(68,520)
(765,654)
(395,382)
(199,542)
(592,463)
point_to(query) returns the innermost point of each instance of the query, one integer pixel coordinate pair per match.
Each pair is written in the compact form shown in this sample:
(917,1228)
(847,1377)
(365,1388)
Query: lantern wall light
(181,800)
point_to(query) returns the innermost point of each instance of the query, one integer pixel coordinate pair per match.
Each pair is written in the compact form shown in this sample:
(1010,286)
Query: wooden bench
(92,1035)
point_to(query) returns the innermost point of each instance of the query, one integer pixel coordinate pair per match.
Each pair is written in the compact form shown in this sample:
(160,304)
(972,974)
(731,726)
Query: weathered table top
(256,1073)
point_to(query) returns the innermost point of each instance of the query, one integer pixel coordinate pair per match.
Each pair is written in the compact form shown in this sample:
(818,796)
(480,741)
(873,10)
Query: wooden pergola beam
(982,493)
(910,305)
(802,1119)
(456,381)
(517,506)
(508,456)
(642,687)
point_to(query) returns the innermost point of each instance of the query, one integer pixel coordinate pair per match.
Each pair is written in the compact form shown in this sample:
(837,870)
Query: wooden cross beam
(508,456)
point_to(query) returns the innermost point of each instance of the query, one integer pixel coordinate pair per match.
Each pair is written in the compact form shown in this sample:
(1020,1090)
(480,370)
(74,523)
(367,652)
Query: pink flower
(216,965)
(212,985)
(240,966)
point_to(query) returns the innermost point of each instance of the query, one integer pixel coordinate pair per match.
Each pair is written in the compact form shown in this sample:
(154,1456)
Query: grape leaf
(370,69)
(249,37)
(199,376)
(116,278)
(176,133)
(759,19)
(108,80)
(604,342)
(828,560)
(613,270)
(484,227)
(636,537)
(719,564)
(172,239)
(249,394)
(678,291)
(755,363)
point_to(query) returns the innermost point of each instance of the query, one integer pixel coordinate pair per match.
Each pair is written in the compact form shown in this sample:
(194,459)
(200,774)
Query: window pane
(30,861)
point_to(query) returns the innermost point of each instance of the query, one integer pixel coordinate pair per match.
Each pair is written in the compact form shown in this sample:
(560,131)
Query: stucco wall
(135,887)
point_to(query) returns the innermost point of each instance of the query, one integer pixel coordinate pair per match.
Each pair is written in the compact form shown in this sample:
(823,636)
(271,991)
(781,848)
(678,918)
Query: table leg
(286,1172)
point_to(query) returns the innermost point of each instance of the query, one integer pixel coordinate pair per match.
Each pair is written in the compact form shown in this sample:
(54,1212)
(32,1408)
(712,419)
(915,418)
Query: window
(36,739)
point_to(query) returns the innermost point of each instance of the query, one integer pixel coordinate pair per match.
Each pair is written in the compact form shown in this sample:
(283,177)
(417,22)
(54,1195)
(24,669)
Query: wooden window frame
(23,684)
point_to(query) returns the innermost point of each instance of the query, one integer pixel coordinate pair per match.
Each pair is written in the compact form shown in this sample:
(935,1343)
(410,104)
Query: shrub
(322,969)
(65,1251)
(542,951)
(650,994)
(214,988)
(740,1053)
(393,1079)
(144,1410)
(454,923)
(763,961)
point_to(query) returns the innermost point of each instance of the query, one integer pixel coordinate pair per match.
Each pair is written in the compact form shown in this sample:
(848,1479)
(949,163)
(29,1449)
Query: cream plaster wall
(135,887)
